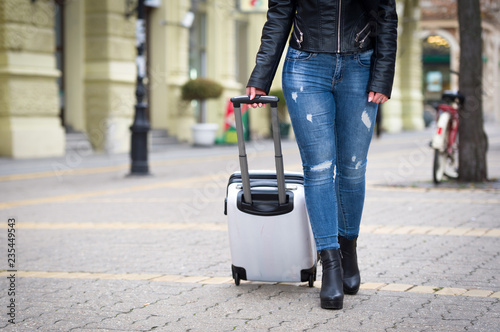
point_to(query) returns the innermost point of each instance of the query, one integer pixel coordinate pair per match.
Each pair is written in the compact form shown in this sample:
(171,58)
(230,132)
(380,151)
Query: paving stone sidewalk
(97,250)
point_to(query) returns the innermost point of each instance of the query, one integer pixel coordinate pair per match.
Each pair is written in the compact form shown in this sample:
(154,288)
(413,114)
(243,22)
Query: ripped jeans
(327,98)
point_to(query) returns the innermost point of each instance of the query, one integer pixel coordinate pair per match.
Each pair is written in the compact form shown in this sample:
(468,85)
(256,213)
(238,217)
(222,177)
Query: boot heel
(332,304)
(352,279)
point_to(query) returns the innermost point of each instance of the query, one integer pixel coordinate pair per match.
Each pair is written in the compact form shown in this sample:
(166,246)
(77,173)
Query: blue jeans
(333,123)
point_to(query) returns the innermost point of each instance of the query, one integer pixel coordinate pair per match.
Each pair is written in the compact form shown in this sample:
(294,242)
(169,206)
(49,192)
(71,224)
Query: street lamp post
(140,127)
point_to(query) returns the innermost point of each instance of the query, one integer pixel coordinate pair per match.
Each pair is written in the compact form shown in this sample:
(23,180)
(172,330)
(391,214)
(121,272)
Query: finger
(257,92)
(371,95)
(251,92)
(380,98)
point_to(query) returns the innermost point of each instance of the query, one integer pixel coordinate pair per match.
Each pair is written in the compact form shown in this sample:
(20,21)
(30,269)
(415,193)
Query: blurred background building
(441,51)
(67,68)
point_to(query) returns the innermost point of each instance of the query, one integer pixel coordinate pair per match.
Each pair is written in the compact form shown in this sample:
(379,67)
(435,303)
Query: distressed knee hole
(323,166)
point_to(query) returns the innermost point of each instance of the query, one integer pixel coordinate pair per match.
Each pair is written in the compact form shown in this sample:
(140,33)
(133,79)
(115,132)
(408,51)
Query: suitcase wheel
(311,280)
(237,279)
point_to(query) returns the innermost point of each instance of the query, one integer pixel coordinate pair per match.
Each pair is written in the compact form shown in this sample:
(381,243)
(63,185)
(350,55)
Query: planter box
(204,134)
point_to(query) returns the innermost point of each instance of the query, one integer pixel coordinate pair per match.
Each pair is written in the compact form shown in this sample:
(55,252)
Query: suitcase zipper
(288,187)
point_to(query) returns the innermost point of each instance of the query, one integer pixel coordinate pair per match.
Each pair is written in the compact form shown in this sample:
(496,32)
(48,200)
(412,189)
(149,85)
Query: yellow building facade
(69,66)
(29,123)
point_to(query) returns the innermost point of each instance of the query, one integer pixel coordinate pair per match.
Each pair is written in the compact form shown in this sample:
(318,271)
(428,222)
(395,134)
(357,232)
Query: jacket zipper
(297,39)
(364,38)
(338,27)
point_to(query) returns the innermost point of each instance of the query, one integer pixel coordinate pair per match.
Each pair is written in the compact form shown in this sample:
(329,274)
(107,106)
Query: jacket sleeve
(382,76)
(275,33)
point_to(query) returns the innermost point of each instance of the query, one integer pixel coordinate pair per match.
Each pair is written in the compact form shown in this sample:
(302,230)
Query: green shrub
(200,89)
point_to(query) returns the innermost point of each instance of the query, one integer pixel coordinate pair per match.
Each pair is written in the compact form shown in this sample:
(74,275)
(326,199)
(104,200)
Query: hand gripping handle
(280,172)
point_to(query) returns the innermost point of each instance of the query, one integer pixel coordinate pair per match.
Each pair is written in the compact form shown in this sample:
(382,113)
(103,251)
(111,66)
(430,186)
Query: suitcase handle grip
(245,99)
(280,172)
(263,183)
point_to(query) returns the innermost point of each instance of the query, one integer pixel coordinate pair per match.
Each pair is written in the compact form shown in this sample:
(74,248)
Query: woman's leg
(354,124)
(307,86)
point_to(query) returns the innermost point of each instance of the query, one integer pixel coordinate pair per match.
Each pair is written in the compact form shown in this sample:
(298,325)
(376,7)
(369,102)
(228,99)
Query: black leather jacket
(330,26)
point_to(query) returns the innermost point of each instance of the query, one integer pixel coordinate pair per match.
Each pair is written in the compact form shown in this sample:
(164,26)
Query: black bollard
(140,127)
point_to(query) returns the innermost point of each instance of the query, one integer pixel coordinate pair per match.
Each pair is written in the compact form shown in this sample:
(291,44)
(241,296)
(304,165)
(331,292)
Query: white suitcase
(269,232)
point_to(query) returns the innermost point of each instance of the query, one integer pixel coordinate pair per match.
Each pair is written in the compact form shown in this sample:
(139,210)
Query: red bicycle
(445,140)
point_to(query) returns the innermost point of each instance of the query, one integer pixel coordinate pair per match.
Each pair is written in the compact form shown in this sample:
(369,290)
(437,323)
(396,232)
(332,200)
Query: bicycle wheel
(439,166)
(451,167)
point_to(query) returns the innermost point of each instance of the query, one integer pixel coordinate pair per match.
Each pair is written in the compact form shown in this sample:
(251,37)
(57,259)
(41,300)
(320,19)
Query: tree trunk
(472,165)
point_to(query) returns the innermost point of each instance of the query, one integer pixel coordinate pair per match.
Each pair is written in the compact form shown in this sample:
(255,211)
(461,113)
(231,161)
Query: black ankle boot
(352,279)
(331,295)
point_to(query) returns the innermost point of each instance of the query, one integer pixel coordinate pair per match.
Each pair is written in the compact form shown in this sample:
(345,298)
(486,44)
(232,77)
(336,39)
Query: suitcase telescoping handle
(278,157)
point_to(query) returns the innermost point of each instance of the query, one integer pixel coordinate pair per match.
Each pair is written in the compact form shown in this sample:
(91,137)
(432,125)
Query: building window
(436,67)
